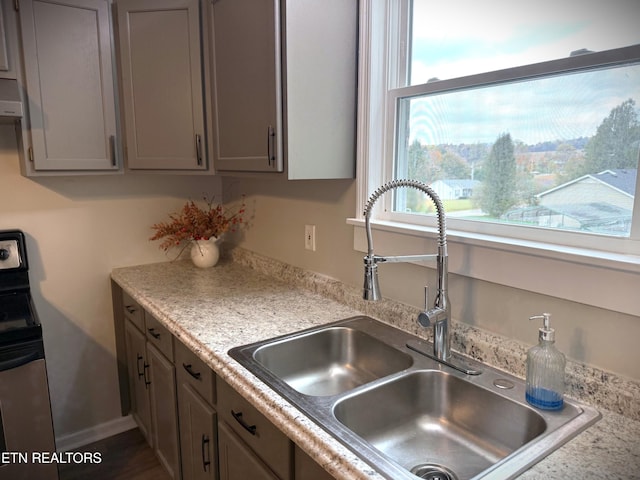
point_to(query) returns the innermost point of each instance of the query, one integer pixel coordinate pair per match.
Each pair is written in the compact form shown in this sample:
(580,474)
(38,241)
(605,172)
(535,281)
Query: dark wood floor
(126,456)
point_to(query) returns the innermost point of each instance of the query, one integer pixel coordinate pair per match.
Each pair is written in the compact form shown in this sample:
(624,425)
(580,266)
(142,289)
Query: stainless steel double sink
(405,414)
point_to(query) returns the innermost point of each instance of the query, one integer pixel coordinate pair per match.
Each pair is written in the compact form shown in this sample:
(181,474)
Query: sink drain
(433,471)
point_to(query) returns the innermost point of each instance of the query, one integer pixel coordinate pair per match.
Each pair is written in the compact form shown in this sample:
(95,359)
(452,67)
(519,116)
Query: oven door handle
(19,361)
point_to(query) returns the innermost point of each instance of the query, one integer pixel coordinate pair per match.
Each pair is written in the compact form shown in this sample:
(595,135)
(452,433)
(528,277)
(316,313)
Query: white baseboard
(71,441)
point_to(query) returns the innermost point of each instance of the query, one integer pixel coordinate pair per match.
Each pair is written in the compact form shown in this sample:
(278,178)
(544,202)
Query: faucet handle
(426,297)
(423,317)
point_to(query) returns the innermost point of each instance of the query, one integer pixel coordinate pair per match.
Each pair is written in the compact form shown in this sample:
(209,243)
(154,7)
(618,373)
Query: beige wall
(280,210)
(78,229)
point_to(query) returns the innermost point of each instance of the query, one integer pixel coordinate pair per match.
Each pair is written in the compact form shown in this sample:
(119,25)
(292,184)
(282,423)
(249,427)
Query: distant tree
(615,144)
(423,163)
(416,156)
(499,186)
(454,166)
(570,164)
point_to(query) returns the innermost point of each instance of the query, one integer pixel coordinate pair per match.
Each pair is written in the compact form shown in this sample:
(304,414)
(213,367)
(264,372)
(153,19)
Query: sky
(477,37)
(557,108)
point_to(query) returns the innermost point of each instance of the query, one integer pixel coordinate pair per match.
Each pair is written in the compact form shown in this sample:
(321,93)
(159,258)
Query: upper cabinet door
(8,39)
(246,87)
(162,84)
(69,81)
(284,86)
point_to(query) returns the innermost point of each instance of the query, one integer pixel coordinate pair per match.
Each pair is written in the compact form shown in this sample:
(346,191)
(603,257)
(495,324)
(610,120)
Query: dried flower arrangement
(196,223)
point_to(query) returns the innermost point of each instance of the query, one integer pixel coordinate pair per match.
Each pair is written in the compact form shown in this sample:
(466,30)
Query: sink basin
(331,361)
(374,388)
(434,419)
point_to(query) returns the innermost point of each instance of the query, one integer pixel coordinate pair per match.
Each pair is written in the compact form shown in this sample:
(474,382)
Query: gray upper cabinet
(284,86)
(247,85)
(162,84)
(69,85)
(8,39)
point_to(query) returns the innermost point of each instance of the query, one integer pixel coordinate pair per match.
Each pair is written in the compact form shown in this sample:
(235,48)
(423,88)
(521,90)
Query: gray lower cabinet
(198,435)
(197,415)
(152,383)
(199,426)
(137,365)
(307,469)
(164,411)
(237,460)
(69,82)
(250,436)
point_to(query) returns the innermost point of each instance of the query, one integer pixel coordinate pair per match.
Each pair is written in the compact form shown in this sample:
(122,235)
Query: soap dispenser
(545,369)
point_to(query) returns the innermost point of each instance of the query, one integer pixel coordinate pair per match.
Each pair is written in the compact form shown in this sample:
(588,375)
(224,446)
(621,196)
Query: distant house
(600,202)
(615,187)
(454,189)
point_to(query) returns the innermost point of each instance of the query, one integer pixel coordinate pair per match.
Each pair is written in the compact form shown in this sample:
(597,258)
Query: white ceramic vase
(205,253)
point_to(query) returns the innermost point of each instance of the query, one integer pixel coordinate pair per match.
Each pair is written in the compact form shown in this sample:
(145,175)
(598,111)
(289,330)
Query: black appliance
(26,430)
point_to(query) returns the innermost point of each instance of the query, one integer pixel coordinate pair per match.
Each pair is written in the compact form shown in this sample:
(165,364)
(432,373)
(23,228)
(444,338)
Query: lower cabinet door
(198,437)
(138,367)
(307,469)
(237,461)
(164,411)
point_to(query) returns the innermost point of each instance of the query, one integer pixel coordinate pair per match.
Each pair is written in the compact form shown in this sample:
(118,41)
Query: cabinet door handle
(147,382)
(189,369)
(152,332)
(205,450)
(198,149)
(271,144)
(249,428)
(114,150)
(140,374)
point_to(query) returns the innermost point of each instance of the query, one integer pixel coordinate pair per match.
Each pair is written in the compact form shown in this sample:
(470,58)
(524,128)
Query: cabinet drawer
(132,311)
(158,335)
(266,441)
(193,371)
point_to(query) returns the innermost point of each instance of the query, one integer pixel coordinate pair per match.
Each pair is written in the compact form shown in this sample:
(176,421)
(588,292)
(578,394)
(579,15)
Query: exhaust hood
(10,101)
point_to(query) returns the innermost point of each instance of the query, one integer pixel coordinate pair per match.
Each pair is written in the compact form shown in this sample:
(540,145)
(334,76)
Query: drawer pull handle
(189,369)
(249,428)
(205,449)
(152,332)
(130,309)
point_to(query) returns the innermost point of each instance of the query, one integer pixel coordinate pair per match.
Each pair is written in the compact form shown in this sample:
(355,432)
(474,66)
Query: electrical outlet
(310,237)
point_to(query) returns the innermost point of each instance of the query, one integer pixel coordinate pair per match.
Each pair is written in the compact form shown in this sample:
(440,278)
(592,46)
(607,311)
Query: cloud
(554,108)
(463,37)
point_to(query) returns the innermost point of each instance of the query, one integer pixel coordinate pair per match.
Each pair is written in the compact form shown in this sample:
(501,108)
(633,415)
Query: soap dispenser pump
(545,369)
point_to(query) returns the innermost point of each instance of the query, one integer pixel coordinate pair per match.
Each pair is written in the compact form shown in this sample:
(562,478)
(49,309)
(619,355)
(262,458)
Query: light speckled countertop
(236,303)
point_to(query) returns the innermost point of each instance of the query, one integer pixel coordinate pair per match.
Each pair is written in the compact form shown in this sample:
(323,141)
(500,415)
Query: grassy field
(456,205)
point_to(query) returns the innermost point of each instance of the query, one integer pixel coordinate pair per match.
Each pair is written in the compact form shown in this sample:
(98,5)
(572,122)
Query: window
(525,121)
(526,124)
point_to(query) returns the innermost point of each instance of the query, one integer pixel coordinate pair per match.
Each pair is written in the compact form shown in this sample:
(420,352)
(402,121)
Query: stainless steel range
(26,429)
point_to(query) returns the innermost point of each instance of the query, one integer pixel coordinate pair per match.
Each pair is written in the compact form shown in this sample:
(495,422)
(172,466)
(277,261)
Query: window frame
(577,271)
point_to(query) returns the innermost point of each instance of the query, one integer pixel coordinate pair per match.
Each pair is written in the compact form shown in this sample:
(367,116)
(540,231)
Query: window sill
(601,279)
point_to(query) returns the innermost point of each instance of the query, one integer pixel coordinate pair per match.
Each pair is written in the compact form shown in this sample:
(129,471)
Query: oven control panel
(12,251)
(9,254)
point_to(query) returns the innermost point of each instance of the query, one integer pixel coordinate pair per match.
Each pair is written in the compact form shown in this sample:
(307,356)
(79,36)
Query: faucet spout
(438,316)
(371,290)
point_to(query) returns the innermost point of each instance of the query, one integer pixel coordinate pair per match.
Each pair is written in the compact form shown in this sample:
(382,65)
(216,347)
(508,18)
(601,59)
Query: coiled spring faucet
(439,315)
